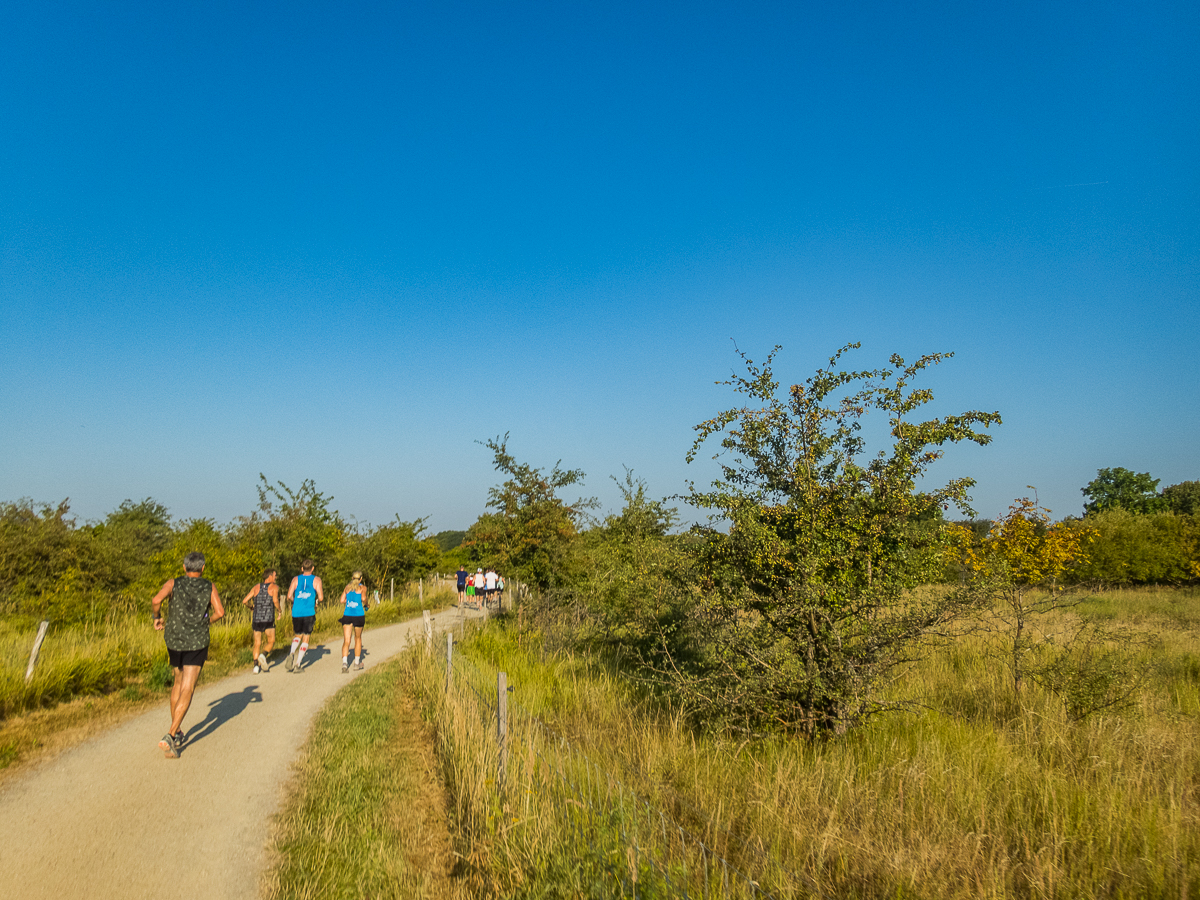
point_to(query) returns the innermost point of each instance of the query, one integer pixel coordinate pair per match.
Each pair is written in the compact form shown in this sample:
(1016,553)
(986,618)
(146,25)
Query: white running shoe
(256,669)
(290,662)
(262,662)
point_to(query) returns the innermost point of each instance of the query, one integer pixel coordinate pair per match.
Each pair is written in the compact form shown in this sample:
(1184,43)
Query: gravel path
(112,818)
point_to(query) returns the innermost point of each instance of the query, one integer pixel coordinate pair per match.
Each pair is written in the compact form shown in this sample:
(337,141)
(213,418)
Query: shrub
(1157,548)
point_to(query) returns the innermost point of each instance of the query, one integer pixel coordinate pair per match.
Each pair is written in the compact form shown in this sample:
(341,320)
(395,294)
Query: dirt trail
(112,818)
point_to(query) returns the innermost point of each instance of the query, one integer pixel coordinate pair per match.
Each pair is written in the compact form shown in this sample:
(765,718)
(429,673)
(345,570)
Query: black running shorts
(303,624)
(356,621)
(263,626)
(181,658)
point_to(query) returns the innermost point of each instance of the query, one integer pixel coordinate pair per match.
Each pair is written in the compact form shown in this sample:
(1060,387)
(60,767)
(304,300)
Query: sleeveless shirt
(304,600)
(187,614)
(264,607)
(354,603)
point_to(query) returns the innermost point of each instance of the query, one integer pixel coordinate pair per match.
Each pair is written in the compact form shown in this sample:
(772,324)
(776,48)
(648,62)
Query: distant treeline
(52,566)
(1138,534)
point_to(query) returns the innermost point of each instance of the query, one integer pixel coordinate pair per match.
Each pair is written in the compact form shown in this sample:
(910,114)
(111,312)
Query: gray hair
(194,562)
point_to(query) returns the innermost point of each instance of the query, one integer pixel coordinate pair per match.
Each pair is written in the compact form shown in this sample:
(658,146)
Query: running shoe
(358,665)
(345,668)
(262,662)
(168,747)
(177,737)
(290,662)
(256,669)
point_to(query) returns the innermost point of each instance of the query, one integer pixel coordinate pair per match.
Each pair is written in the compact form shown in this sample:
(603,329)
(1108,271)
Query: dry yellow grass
(975,795)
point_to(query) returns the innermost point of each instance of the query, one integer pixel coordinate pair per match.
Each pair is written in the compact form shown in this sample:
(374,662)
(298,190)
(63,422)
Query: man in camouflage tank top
(186,633)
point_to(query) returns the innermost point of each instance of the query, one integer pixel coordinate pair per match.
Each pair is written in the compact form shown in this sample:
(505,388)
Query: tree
(1022,559)
(1121,488)
(291,526)
(395,550)
(37,545)
(533,529)
(126,541)
(1021,563)
(1183,498)
(806,603)
(634,569)
(1153,548)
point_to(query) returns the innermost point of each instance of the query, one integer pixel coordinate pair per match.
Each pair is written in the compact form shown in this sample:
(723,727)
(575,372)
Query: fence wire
(662,856)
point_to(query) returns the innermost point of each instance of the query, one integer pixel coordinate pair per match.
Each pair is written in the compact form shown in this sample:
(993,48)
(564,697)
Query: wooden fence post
(37,647)
(421,590)
(428,623)
(502,727)
(393,590)
(449,658)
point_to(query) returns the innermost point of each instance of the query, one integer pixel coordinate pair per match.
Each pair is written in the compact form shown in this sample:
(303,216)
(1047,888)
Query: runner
(462,585)
(265,597)
(353,620)
(186,634)
(471,589)
(500,592)
(489,586)
(305,592)
(480,589)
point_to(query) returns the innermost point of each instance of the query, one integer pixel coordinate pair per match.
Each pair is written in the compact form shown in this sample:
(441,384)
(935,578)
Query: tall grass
(976,794)
(366,815)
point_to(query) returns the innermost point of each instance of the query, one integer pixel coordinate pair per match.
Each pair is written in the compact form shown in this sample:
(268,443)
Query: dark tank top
(264,608)
(187,614)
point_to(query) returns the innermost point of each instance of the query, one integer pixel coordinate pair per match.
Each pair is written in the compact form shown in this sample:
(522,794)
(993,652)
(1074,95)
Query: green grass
(366,815)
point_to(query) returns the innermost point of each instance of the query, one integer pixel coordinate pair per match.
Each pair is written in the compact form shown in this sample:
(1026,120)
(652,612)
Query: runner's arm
(156,603)
(320,592)
(216,605)
(273,590)
(292,589)
(250,596)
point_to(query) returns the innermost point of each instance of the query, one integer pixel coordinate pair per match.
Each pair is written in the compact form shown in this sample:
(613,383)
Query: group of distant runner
(195,605)
(482,587)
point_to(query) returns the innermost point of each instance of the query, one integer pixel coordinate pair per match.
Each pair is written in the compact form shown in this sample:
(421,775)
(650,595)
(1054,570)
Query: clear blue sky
(344,241)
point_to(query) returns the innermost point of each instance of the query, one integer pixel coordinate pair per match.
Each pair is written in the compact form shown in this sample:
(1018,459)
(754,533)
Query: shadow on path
(222,710)
(314,653)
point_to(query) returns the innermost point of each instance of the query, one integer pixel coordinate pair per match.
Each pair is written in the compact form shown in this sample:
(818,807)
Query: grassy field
(366,813)
(120,666)
(975,794)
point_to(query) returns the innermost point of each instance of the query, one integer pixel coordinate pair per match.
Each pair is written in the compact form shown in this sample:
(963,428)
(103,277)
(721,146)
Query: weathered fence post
(37,647)
(449,657)
(393,590)
(428,623)
(502,727)
(421,590)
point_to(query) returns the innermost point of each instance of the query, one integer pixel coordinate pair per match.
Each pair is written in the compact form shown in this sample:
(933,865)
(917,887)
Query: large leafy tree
(1183,498)
(532,531)
(396,550)
(291,526)
(814,543)
(1121,488)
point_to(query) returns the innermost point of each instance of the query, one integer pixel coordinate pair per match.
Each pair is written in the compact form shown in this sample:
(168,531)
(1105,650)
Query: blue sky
(347,241)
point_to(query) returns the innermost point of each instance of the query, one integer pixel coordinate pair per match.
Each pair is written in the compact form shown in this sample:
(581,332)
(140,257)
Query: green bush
(1156,548)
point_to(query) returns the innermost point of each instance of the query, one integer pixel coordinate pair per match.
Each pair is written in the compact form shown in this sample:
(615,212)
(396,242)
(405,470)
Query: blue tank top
(354,603)
(304,601)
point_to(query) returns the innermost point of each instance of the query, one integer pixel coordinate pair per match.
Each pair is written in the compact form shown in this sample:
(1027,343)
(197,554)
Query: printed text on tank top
(304,600)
